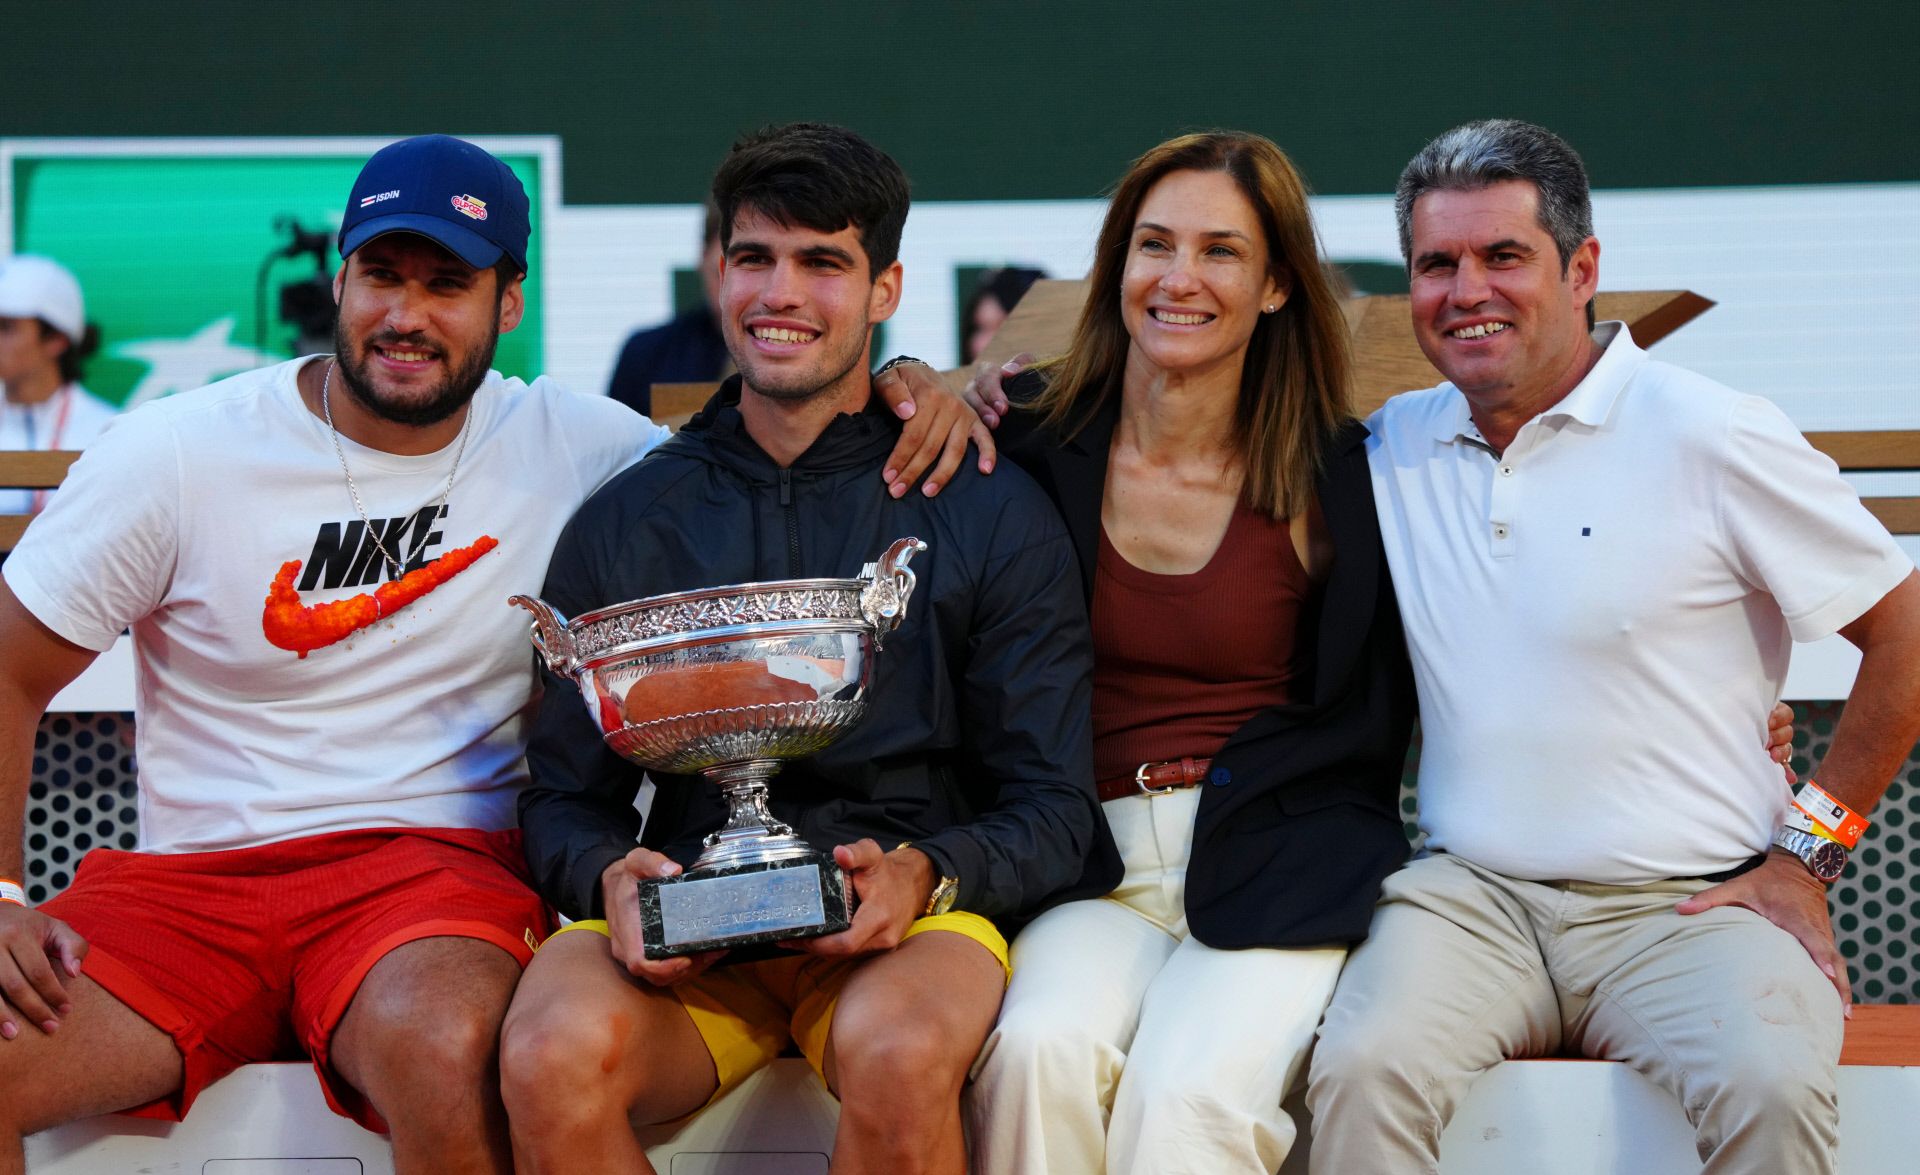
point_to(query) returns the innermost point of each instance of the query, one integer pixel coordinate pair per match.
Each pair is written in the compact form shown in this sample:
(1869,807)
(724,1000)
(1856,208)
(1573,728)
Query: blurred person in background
(994,297)
(44,342)
(686,349)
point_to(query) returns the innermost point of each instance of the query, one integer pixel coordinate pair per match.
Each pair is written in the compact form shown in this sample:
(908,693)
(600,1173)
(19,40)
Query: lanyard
(60,415)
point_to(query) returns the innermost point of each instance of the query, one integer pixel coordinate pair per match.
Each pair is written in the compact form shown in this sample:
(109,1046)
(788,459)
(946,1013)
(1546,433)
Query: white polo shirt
(1600,618)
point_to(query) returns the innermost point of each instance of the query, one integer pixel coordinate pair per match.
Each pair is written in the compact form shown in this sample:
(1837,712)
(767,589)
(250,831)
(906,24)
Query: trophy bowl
(729,683)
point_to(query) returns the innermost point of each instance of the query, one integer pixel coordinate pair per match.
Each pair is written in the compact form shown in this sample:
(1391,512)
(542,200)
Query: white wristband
(10,891)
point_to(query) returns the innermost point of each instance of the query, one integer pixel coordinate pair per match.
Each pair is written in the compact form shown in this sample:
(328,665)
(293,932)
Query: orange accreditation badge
(1830,818)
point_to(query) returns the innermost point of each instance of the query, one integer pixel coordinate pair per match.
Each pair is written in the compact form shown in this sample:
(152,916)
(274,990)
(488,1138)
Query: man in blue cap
(328,864)
(328,780)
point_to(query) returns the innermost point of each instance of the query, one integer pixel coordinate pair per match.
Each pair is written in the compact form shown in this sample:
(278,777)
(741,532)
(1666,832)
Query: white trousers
(1126,1046)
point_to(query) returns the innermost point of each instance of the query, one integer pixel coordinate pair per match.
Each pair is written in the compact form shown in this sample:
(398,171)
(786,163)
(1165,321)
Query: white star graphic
(178,365)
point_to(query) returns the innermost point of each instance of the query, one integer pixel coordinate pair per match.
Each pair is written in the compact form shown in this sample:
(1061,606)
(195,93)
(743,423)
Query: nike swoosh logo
(302,628)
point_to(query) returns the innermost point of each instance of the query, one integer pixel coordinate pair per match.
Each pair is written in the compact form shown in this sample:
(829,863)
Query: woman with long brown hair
(1252,701)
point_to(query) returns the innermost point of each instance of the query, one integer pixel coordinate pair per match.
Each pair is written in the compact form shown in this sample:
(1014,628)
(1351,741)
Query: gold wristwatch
(941,899)
(944,890)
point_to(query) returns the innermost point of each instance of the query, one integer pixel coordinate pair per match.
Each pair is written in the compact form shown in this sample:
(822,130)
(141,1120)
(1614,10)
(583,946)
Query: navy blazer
(1299,822)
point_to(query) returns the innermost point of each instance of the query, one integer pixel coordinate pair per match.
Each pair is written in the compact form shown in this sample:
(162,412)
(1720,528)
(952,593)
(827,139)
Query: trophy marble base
(743,905)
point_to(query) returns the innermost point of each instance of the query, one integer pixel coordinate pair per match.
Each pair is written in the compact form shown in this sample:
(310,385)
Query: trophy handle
(549,635)
(890,585)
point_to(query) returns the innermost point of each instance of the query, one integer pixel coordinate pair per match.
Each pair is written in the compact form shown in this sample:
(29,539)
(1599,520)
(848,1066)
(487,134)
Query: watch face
(943,895)
(1827,860)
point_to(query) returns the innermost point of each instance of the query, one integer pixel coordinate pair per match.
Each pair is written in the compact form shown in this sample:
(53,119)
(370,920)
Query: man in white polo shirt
(1602,562)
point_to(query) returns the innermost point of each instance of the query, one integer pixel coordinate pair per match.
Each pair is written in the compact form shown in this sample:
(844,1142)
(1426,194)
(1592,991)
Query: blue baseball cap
(444,189)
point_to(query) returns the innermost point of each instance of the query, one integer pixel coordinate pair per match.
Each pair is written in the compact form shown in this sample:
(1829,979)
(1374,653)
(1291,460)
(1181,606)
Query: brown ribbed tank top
(1182,661)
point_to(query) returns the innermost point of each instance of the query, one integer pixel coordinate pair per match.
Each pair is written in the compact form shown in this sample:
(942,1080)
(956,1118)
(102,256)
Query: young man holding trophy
(930,785)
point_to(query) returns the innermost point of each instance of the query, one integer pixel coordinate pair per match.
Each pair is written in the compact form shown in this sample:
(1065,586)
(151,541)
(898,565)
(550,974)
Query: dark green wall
(994,100)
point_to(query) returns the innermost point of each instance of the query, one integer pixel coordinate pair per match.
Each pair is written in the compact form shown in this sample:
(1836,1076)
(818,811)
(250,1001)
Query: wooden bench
(20,470)
(1387,359)
(1824,670)
(1878,451)
(107,684)
(1867,451)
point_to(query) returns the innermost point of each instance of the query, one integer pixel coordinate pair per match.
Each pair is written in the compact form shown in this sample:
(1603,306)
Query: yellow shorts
(747,1014)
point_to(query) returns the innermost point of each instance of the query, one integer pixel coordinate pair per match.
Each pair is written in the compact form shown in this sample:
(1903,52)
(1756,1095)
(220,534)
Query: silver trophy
(731,682)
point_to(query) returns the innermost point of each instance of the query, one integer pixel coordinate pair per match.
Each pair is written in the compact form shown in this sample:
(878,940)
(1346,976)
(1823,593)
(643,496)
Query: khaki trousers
(1125,1046)
(1464,967)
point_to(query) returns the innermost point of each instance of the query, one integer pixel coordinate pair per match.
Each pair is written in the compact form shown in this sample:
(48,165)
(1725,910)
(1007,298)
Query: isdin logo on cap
(469,206)
(377,197)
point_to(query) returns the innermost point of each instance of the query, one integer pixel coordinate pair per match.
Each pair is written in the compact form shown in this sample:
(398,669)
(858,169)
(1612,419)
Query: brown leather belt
(1155,779)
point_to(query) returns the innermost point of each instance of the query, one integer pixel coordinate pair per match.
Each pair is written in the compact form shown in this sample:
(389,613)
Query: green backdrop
(170,250)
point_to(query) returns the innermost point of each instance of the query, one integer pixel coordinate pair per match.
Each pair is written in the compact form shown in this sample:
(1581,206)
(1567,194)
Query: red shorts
(254,954)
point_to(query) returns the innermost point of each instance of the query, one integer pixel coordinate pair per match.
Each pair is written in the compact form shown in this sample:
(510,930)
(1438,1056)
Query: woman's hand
(985,392)
(1780,739)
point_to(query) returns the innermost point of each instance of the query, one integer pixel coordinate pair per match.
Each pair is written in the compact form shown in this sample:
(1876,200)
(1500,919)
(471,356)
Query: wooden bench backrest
(1878,451)
(675,404)
(21,470)
(1874,451)
(1387,358)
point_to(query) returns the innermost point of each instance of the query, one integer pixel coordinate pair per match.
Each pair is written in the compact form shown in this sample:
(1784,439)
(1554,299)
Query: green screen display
(175,255)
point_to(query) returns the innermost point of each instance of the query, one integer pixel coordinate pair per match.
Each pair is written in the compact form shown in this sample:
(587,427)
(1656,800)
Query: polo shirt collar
(1592,399)
(1589,402)
(1455,421)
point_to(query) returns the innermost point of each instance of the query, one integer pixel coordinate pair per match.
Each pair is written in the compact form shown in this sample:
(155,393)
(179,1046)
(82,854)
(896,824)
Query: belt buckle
(1140,780)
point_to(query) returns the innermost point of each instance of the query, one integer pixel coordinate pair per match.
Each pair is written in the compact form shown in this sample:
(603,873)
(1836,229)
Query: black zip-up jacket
(976,743)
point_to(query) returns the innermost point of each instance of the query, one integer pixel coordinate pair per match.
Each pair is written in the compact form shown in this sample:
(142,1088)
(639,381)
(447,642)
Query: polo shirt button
(1499,531)
(1220,776)
(1506,471)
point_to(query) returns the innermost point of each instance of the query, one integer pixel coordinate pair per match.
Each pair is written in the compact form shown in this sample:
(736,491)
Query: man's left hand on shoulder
(939,423)
(893,889)
(1781,890)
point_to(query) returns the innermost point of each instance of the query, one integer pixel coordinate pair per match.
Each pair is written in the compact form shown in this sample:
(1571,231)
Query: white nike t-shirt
(178,518)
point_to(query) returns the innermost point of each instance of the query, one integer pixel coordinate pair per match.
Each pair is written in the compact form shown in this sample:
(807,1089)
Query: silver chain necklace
(373,532)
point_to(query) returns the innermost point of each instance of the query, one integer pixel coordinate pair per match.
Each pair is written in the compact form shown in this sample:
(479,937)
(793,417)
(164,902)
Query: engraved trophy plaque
(730,682)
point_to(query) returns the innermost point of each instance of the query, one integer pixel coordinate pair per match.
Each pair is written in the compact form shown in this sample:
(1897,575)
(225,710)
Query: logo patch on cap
(468,206)
(370,201)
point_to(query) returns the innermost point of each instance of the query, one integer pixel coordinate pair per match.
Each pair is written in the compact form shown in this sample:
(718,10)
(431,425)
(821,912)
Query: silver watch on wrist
(1825,859)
